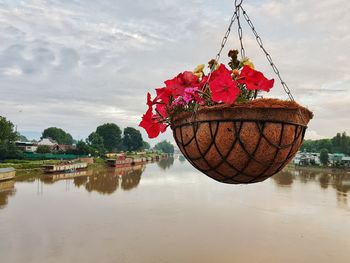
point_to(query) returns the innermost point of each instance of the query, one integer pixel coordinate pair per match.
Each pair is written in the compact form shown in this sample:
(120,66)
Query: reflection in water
(339,181)
(182,158)
(166,163)
(108,181)
(284,178)
(104,181)
(51,178)
(7,188)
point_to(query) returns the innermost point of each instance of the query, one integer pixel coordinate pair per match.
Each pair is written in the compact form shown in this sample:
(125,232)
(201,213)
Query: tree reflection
(81,180)
(182,158)
(339,180)
(283,178)
(166,163)
(104,182)
(108,181)
(7,189)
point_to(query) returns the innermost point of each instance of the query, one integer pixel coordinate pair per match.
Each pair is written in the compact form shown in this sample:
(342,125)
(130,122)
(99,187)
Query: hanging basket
(243,143)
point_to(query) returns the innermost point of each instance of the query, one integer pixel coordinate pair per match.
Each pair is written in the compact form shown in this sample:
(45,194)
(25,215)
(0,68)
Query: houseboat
(64,167)
(7,173)
(121,161)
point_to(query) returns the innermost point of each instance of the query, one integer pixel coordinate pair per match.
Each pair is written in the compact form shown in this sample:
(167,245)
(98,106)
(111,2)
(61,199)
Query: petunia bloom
(163,95)
(150,122)
(223,88)
(183,80)
(255,80)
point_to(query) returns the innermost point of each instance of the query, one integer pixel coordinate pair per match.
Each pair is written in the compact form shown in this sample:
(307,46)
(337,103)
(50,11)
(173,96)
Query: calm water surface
(169,212)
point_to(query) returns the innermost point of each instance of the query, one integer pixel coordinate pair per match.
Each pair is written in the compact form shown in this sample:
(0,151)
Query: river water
(169,212)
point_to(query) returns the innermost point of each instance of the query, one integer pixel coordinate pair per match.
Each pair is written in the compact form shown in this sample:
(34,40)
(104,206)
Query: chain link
(240,31)
(223,43)
(261,45)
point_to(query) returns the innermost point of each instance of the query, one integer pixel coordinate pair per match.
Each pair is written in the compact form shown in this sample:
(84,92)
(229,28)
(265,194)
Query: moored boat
(7,173)
(64,167)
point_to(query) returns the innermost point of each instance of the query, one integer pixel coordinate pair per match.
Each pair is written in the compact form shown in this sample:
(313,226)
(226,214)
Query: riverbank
(26,164)
(319,169)
(24,167)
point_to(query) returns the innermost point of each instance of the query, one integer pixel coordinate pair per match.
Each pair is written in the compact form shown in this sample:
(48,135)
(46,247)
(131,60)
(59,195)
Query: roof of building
(47,141)
(345,158)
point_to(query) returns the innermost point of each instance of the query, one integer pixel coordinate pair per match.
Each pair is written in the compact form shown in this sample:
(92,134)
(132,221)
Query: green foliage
(145,145)
(132,139)
(165,163)
(95,141)
(111,135)
(43,149)
(82,148)
(21,137)
(165,147)
(8,137)
(59,135)
(324,158)
(338,144)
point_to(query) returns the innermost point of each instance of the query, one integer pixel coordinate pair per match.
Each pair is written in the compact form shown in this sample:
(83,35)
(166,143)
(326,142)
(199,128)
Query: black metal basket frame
(237,124)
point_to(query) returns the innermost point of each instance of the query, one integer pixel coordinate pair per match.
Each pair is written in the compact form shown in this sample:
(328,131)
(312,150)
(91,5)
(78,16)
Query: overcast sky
(76,64)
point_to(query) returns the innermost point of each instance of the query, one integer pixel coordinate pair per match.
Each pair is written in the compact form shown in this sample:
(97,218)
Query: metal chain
(223,42)
(260,43)
(240,31)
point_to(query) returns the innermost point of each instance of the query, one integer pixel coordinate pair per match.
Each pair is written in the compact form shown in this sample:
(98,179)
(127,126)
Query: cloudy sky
(76,64)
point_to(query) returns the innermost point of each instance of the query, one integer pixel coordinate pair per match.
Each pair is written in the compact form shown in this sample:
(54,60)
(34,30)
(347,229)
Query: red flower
(255,80)
(221,70)
(222,87)
(178,84)
(149,100)
(150,122)
(161,108)
(163,95)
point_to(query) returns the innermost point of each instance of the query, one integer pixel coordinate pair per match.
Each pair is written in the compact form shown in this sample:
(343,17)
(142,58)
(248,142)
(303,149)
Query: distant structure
(48,142)
(335,159)
(27,146)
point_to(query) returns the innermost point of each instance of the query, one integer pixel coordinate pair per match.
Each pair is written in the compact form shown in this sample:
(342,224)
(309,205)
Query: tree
(95,141)
(165,147)
(324,158)
(8,137)
(21,137)
(59,135)
(43,149)
(145,145)
(111,135)
(132,139)
(82,148)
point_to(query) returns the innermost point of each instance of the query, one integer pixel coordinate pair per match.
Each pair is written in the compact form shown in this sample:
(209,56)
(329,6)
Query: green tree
(95,141)
(21,137)
(82,148)
(57,134)
(145,145)
(43,149)
(8,137)
(324,158)
(165,147)
(111,135)
(132,139)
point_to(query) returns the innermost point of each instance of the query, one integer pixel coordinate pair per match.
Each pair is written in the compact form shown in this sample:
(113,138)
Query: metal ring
(238,3)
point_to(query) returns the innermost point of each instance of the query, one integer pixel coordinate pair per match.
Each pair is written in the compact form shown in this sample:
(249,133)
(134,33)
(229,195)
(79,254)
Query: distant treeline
(107,137)
(338,144)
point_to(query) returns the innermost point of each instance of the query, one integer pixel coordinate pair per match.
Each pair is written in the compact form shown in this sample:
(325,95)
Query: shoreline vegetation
(23,167)
(315,168)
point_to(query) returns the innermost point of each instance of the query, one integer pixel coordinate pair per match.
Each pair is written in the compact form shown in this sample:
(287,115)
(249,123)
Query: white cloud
(77,64)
